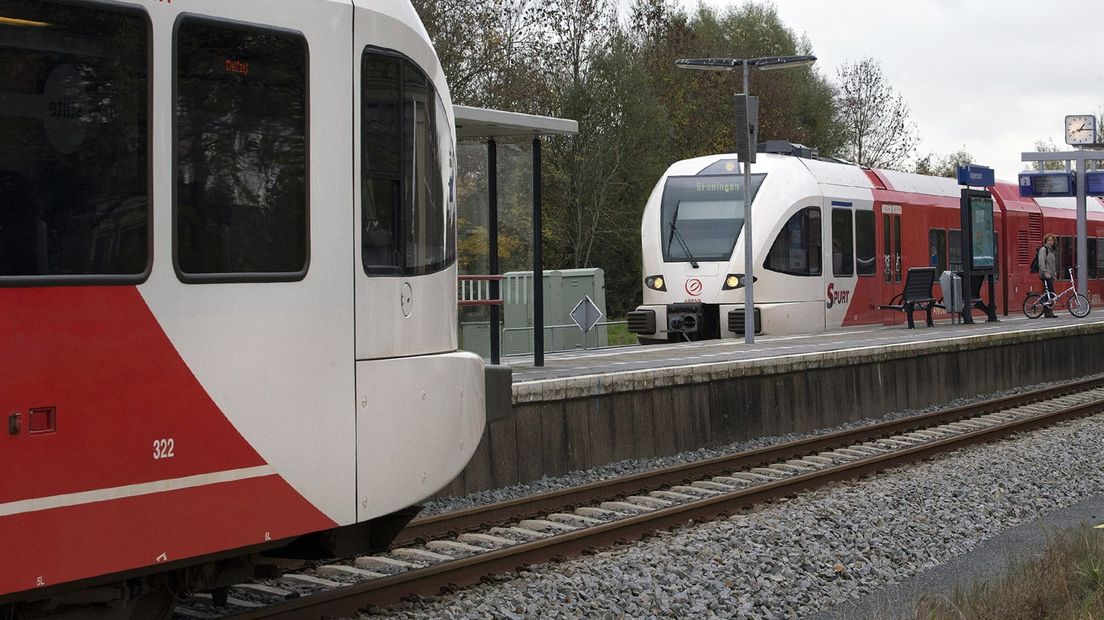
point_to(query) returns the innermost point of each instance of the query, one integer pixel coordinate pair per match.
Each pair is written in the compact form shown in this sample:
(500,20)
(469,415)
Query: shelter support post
(492,246)
(538,269)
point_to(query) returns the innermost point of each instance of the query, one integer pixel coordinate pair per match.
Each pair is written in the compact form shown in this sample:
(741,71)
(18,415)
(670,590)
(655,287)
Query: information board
(1046,184)
(981,229)
(1094,183)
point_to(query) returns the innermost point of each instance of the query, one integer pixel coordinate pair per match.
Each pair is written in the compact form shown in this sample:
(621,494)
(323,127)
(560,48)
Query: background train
(227,292)
(832,243)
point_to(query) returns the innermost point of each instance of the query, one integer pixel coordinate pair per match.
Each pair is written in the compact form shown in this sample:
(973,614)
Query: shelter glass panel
(74,141)
(241,152)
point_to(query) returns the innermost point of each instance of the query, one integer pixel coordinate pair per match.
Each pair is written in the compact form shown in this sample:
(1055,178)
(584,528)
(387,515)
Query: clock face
(1081,129)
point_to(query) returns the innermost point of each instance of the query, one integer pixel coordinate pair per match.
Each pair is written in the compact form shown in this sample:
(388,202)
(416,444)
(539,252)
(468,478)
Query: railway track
(464,547)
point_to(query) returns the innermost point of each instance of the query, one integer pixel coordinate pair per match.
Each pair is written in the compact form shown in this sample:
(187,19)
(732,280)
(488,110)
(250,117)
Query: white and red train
(832,244)
(227,291)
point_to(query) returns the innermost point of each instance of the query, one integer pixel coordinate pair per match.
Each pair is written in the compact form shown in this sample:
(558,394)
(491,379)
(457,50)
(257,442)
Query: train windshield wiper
(675,234)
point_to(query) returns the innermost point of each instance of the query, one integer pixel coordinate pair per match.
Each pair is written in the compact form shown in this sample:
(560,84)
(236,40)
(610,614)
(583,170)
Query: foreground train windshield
(703,215)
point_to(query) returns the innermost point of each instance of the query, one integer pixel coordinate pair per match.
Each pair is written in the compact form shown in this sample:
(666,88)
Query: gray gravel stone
(789,559)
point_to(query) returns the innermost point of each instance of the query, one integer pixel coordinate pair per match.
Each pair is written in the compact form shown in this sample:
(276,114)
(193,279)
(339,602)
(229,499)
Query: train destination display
(1047,184)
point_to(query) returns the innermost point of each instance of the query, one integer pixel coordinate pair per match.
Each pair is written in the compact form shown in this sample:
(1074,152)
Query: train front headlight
(733,281)
(655,283)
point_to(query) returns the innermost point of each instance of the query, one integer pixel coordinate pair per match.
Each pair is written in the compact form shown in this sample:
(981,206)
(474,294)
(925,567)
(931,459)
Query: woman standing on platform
(1048,269)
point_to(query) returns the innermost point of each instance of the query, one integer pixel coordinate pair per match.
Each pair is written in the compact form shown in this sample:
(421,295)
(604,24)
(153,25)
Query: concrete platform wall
(557,426)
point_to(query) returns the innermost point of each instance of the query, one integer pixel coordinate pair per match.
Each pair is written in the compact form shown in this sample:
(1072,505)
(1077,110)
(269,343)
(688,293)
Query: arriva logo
(837,297)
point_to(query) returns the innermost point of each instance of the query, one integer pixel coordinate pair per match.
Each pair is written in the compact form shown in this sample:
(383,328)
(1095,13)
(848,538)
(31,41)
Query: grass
(1065,580)
(619,335)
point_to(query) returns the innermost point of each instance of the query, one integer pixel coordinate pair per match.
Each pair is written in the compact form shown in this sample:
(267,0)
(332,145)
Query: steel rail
(470,570)
(438,526)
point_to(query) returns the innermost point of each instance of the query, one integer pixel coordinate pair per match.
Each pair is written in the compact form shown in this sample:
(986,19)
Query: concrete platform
(589,408)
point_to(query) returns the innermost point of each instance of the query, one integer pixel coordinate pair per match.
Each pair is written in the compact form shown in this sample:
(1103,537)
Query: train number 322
(163,449)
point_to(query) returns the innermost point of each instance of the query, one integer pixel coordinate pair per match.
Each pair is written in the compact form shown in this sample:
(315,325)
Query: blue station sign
(1047,184)
(972,175)
(1094,183)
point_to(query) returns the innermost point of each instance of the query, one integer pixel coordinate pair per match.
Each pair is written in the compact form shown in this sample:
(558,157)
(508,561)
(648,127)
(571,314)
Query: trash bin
(951,283)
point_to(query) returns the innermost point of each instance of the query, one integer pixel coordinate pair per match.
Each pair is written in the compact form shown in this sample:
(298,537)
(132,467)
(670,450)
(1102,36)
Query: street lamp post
(765,63)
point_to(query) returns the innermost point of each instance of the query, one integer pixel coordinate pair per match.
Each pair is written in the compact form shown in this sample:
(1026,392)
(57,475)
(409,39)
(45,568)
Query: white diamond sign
(586,314)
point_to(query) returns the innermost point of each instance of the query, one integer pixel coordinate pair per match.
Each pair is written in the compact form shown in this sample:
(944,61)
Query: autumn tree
(873,116)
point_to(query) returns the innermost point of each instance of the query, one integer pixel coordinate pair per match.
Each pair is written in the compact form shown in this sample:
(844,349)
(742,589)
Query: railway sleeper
(421,555)
(496,542)
(451,547)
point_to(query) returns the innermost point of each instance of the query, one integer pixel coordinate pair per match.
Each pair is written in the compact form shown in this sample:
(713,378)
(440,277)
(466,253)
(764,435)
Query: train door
(889,234)
(405,282)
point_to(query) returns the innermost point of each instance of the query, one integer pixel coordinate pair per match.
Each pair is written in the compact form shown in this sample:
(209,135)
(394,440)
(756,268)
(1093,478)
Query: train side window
(381,150)
(1090,247)
(843,244)
(74,144)
(407,216)
(1100,257)
(1067,256)
(954,250)
(937,249)
(797,248)
(865,252)
(240,129)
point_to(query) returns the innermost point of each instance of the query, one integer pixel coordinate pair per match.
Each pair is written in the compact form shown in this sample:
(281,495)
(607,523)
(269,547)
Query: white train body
(832,243)
(784,303)
(191,399)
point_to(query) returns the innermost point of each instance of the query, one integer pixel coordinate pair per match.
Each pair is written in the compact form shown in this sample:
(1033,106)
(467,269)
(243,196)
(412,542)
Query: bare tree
(874,117)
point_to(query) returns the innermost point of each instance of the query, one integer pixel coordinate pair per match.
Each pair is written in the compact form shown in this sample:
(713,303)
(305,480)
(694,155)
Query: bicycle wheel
(1033,306)
(1079,306)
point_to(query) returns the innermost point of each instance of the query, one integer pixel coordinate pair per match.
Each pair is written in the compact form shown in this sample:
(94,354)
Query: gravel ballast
(811,552)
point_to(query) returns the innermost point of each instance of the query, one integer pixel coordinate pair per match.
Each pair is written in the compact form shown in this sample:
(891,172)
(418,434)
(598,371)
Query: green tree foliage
(637,113)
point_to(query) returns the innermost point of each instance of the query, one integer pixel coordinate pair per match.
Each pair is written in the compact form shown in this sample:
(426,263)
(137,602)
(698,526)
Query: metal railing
(476,291)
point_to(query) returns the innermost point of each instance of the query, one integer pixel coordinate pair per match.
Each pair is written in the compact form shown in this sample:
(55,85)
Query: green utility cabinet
(563,290)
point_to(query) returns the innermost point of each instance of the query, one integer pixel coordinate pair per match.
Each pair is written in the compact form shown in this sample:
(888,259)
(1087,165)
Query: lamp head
(709,64)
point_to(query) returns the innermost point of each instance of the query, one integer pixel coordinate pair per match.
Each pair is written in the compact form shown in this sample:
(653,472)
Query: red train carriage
(833,242)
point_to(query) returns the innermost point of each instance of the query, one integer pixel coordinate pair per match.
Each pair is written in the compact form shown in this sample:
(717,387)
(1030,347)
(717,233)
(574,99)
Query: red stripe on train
(54,546)
(98,356)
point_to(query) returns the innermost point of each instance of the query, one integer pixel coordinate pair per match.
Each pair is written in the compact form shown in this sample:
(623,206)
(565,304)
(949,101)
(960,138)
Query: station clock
(1080,129)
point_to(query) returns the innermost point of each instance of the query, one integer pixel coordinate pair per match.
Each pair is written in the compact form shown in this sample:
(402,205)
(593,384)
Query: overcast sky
(990,76)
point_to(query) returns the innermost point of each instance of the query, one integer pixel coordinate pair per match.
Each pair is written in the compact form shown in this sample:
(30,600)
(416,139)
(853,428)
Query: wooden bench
(916,296)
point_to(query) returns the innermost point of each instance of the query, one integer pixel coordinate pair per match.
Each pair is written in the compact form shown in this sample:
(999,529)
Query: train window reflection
(796,250)
(706,213)
(937,249)
(1100,257)
(241,152)
(843,244)
(406,217)
(954,249)
(74,161)
(1067,256)
(866,263)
